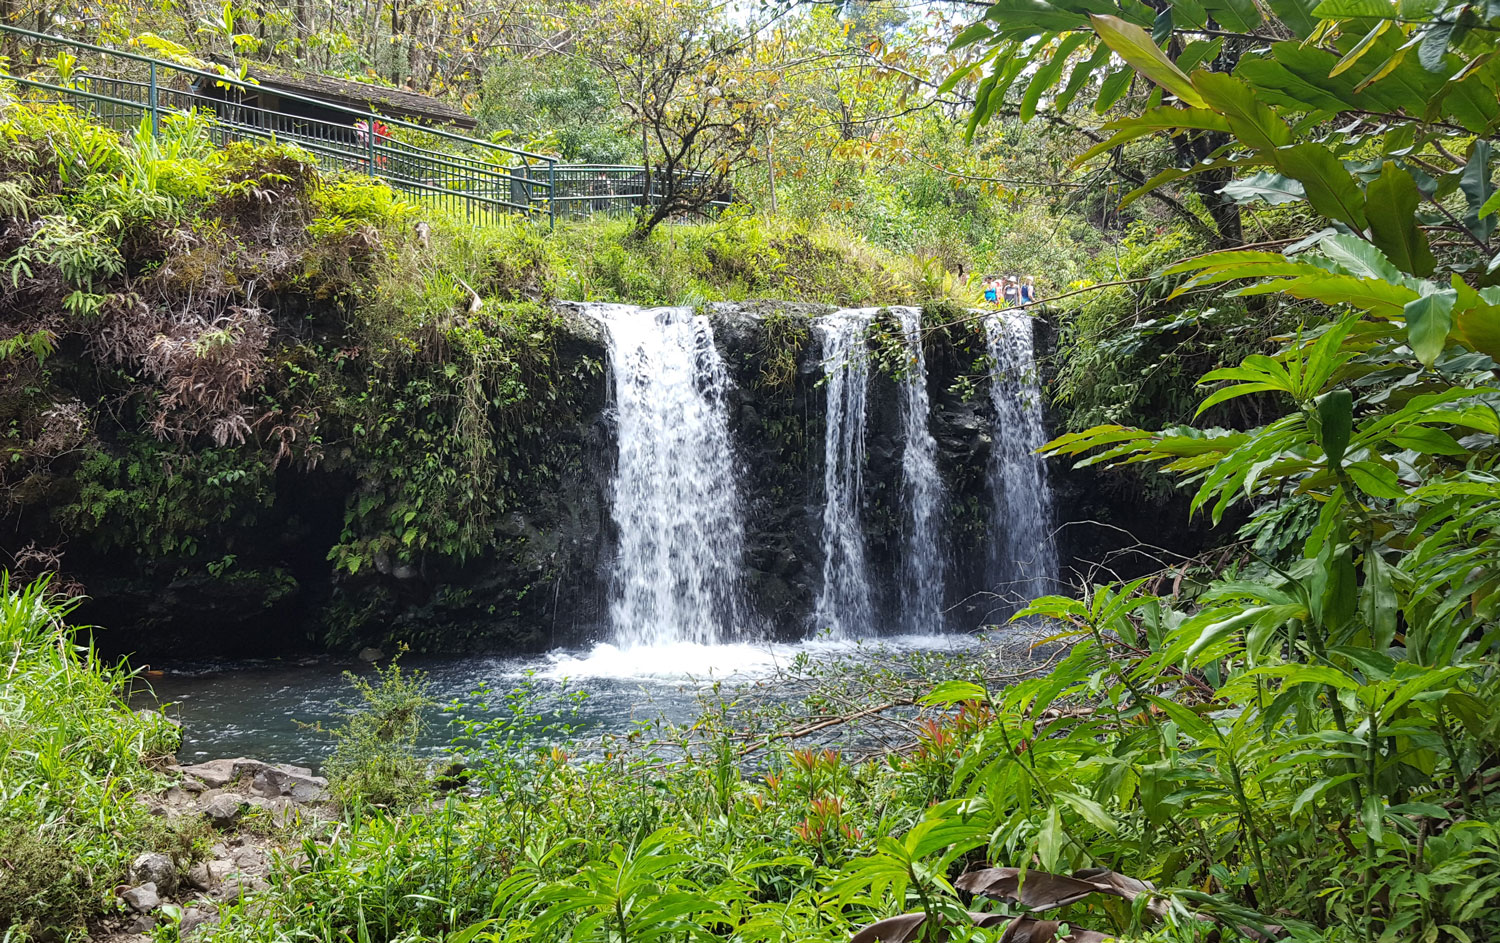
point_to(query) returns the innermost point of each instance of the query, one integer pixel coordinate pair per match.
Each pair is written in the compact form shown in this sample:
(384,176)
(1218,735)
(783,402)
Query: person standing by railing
(1011,292)
(382,131)
(991,291)
(1028,290)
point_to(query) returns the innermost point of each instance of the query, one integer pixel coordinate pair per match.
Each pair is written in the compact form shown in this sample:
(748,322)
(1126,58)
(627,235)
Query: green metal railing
(121,89)
(611,189)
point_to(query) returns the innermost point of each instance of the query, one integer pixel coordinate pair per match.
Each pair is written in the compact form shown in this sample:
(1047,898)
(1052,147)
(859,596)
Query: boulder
(207,875)
(239,885)
(216,774)
(294,781)
(155,869)
(223,809)
(195,917)
(142,899)
(200,877)
(370,655)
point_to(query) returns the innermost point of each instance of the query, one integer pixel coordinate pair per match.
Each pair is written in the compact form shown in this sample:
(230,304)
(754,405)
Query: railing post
(552,193)
(153,104)
(370,143)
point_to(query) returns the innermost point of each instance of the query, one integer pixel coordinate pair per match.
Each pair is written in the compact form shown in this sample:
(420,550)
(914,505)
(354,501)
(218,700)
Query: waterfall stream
(677,573)
(1023,560)
(922,566)
(844,608)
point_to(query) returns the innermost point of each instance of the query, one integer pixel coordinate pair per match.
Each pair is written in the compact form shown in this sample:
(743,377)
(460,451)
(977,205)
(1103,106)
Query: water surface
(283,711)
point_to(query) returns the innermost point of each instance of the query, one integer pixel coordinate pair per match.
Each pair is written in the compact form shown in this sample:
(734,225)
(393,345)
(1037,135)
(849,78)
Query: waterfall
(675,506)
(844,607)
(922,567)
(1023,561)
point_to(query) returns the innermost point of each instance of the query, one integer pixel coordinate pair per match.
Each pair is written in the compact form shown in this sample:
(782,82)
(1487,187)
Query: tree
(1341,670)
(680,75)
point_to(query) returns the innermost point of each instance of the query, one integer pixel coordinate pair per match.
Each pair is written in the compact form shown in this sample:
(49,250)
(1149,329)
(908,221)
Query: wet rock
(223,809)
(142,899)
(451,773)
(155,869)
(370,655)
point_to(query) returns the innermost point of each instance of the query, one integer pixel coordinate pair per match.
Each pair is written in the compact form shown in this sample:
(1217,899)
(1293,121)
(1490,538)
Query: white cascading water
(1023,560)
(844,608)
(922,567)
(677,573)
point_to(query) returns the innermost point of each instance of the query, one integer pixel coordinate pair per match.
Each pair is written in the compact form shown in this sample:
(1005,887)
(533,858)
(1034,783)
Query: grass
(73,760)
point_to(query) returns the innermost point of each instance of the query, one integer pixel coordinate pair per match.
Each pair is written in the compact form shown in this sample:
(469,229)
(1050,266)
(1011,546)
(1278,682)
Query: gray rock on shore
(155,869)
(142,899)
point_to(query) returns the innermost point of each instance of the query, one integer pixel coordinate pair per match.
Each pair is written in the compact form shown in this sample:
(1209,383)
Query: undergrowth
(74,760)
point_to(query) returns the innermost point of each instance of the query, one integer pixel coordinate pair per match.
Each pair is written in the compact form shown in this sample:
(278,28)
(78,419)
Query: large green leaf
(1429,319)
(1376,480)
(1391,206)
(1135,46)
(1335,422)
(1112,89)
(1296,14)
(1477,189)
(1479,328)
(1278,85)
(1242,16)
(1350,9)
(1033,14)
(1047,75)
(1265,185)
(1250,119)
(1354,256)
(1379,298)
(1331,189)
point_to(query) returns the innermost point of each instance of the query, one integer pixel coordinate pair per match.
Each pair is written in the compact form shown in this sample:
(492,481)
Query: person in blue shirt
(1028,290)
(991,293)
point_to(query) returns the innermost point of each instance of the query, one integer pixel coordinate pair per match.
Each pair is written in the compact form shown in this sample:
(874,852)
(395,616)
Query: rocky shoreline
(244,807)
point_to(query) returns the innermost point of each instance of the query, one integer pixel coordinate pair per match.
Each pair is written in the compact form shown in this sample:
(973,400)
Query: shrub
(375,756)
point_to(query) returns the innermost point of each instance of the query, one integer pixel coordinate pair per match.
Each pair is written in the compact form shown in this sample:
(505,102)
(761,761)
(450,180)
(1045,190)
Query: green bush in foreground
(71,753)
(374,757)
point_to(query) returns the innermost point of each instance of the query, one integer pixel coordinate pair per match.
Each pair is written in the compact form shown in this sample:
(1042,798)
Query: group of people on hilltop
(1007,291)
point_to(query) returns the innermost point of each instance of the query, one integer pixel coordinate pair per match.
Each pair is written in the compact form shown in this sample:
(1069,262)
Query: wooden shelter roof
(393,102)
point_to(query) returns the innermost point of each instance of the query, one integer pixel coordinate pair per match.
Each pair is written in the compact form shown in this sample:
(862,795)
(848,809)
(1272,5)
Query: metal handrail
(476,180)
(291,96)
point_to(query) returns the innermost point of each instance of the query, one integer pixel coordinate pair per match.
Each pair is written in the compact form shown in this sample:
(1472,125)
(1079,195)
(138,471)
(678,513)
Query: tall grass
(71,767)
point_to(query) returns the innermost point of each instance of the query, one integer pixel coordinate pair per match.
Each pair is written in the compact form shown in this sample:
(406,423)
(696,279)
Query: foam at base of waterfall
(686,662)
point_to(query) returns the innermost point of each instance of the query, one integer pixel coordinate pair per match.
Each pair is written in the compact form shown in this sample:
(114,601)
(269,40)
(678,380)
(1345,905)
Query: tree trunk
(771,165)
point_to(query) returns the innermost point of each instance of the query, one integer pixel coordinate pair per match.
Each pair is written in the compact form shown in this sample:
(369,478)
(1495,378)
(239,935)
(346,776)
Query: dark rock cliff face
(545,579)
